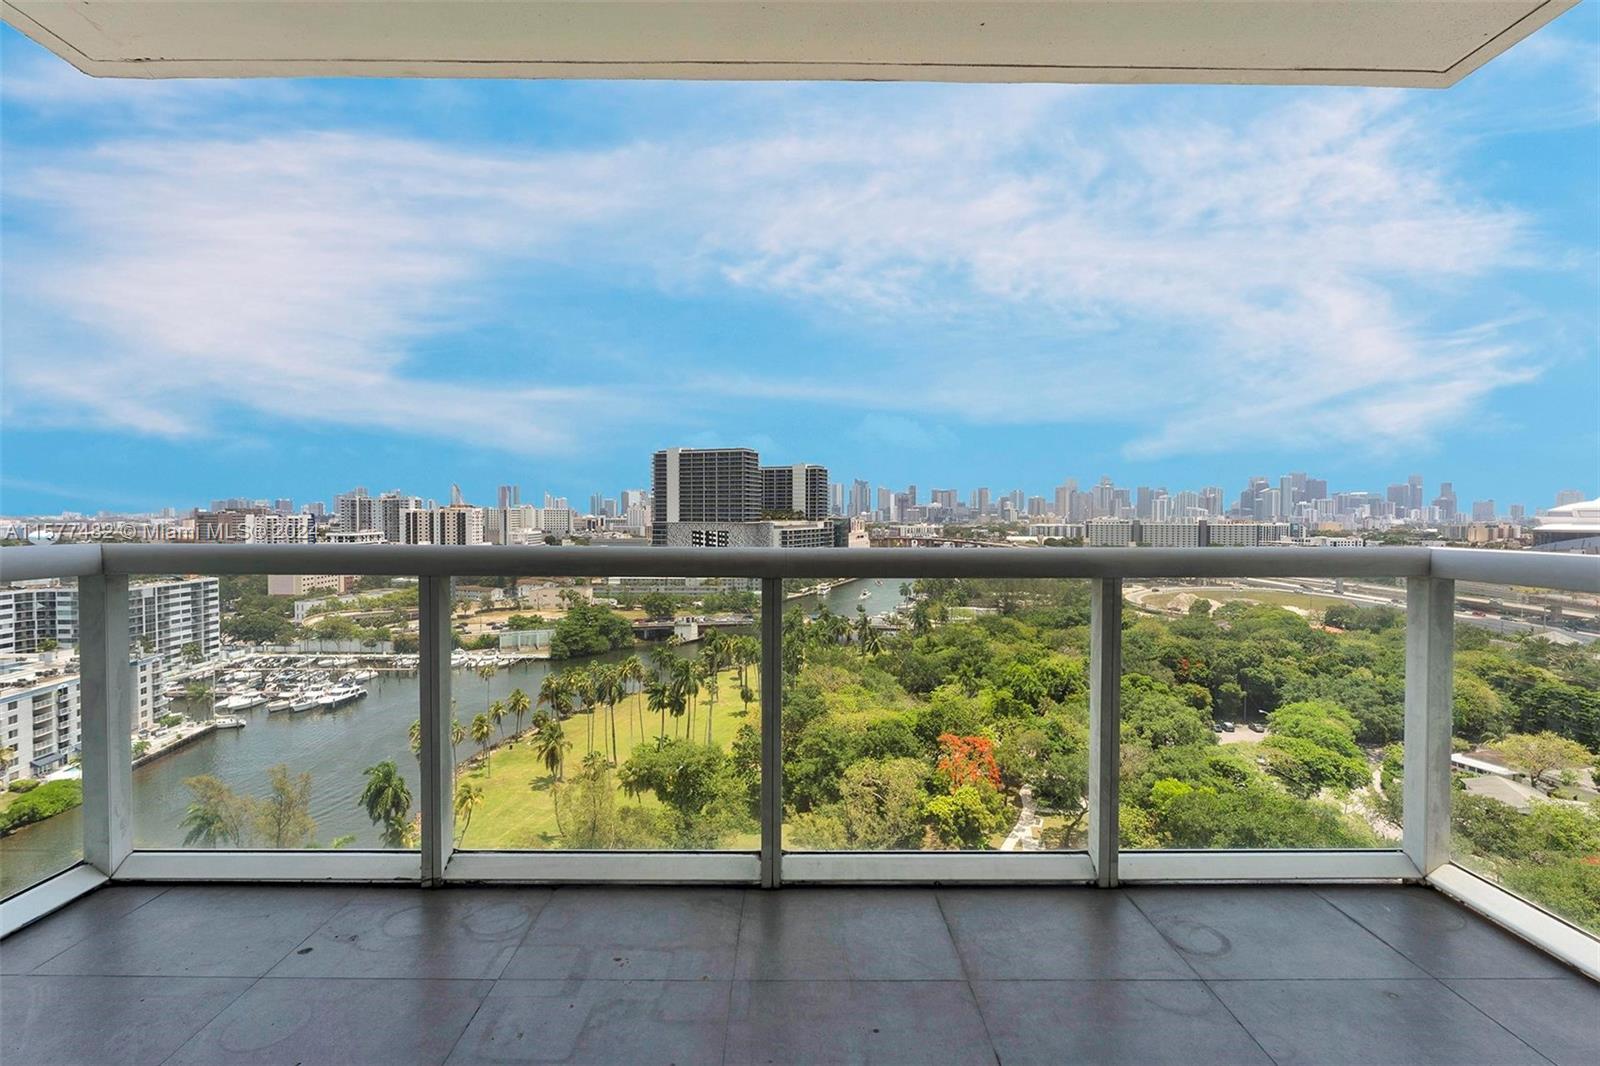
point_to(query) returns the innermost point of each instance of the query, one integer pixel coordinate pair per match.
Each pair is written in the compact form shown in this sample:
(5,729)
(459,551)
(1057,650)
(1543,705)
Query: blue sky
(272,289)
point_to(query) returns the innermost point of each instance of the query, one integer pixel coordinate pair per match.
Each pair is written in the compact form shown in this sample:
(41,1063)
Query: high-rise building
(801,489)
(1483,510)
(1568,496)
(704,485)
(509,496)
(283,505)
(354,510)
(860,498)
(981,501)
(1446,502)
(1414,485)
(392,507)
(1517,513)
(885,503)
(274,527)
(836,498)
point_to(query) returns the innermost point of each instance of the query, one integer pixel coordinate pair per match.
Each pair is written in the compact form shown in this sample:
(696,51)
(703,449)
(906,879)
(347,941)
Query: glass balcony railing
(1122,715)
(1525,748)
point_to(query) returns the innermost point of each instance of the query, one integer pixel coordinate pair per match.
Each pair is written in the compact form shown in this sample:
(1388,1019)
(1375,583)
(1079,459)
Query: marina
(333,742)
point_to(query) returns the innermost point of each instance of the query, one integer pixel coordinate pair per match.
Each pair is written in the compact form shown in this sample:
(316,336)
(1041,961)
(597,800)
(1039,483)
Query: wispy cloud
(1291,270)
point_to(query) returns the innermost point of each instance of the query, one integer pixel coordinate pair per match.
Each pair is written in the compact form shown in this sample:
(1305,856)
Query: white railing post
(437,757)
(105,704)
(1105,725)
(771,732)
(1430,668)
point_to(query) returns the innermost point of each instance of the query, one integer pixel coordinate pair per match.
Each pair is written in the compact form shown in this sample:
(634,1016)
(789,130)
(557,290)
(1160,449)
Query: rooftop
(693,975)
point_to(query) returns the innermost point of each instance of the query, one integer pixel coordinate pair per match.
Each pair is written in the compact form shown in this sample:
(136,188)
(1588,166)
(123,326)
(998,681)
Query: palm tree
(518,704)
(497,716)
(867,638)
(387,800)
(414,735)
(482,734)
(458,733)
(550,744)
(615,689)
(468,798)
(659,696)
(684,688)
(631,673)
(713,657)
(555,692)
(583,683)
(486,674)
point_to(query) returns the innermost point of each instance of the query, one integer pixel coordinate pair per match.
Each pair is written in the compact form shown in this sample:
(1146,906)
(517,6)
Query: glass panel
(283,716)
(1525,808)
(1258,713)
(40,733)
(609,713)
(935,714)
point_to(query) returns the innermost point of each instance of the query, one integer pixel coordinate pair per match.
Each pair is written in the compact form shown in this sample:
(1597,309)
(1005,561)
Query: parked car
(1216,727)
(1227,727)
(1258,727)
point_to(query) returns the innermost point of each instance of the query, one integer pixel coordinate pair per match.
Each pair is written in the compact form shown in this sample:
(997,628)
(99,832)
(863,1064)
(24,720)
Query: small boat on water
(242,701)
(275,706)
(304,701)
(227,722)
(865,593)
(340,695)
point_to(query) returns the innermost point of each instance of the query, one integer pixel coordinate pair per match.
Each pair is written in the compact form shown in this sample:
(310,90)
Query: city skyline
(222,287)
(581,501)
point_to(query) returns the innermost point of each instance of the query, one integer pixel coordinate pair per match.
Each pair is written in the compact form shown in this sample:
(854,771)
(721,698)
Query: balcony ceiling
(1419,43)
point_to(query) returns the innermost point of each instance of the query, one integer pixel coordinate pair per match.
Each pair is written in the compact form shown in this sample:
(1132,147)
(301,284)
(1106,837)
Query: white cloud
(1215,279)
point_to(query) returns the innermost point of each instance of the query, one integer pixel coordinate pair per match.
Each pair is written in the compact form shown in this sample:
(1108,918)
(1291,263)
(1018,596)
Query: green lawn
(518,809)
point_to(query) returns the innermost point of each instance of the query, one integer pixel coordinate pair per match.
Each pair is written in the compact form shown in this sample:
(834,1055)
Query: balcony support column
(1105,724)
(437,756)
(105,703)
(771,732)
(1430,670)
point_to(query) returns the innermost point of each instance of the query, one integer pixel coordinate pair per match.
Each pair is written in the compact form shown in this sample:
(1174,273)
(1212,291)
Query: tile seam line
(192,1037)
(966,978)
(98,889)
(1209,990)
(738,938)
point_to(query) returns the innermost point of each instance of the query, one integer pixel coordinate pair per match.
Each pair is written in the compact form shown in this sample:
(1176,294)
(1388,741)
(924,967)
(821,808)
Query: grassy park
(517,808)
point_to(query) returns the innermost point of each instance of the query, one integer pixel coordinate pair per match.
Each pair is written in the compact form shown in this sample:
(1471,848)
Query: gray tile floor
(235,974)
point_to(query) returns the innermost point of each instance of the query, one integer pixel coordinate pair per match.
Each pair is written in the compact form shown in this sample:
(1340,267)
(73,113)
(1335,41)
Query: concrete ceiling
(1422,43)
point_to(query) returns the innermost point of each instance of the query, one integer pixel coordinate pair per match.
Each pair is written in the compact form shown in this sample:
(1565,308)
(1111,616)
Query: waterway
(334,747)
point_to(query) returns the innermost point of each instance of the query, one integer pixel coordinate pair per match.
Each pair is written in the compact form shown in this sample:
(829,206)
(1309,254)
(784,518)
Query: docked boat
(305,701)
(242,701)
(274,706)
(227,722)
(343,694)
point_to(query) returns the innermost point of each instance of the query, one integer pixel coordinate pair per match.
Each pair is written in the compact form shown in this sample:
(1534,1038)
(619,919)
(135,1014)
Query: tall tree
(468,798)
(497,716)
(518,704)
(387,800)
(217,816)
(482,734)
(550,744)
(284,817)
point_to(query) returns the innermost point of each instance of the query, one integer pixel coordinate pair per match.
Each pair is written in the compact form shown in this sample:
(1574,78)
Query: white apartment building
(358,536)
(1172,533)
(30,613)
(1109,533)
(1246,534)
(274,528)
(165,617)
(40,718)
